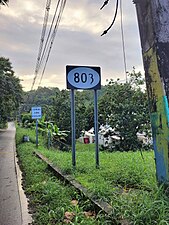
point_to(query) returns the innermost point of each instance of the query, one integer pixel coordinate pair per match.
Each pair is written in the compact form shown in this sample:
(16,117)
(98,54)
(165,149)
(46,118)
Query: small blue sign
(36,113)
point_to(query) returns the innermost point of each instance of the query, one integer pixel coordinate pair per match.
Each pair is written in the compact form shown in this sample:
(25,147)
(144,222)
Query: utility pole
(153,20)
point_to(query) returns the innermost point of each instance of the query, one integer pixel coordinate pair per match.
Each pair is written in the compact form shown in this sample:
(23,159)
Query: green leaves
(124,106)
(48,129)
(10,89)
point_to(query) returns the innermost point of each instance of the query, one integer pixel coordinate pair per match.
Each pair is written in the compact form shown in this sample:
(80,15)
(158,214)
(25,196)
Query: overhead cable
(114,18)
(46,46)
(104,4)
(123,42)
(46,16)
(62,6)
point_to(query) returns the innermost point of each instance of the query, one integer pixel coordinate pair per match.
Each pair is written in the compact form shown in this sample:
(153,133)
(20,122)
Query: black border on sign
(96,68)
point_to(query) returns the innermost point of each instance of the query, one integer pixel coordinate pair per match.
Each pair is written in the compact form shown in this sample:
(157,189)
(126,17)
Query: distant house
(87,137)
(144,139)
(107,137)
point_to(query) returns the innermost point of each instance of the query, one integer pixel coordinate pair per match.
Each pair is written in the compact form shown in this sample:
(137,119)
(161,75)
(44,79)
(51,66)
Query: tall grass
(124,180)
(50,201)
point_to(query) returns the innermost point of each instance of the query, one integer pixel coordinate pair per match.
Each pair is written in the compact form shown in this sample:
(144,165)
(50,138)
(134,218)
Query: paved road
(10,207)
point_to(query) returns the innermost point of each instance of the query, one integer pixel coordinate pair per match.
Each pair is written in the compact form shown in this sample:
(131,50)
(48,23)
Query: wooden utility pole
(153,20)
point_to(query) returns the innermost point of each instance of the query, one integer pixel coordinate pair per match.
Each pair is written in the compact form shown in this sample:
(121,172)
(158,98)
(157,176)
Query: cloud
(77,41)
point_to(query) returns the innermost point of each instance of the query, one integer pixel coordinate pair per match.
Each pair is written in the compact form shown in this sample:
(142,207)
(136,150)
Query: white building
(108,138)
(87,137)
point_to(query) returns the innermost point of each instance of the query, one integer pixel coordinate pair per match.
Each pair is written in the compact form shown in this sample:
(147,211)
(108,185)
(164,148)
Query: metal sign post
(96,128)
(37,133)
(86,78)
(36,114)
(73,128)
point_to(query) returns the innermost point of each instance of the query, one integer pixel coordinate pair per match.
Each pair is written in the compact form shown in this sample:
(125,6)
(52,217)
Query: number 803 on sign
(83,77)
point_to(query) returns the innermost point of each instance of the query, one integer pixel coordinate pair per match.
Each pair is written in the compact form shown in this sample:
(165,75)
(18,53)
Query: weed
(124,180)
(49,199)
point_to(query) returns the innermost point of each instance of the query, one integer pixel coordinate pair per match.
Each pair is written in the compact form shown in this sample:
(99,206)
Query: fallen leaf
(67,221)
(69,215)
(90,214)
(74,202)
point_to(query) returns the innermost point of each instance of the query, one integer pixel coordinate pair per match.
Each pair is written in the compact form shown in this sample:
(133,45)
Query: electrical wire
(49,41)
(46,16)
(115,15)
(123,42)
(63,3)
(122,31)
(46,47)
(104,4)
(52,38)
(5,2)
(43,32)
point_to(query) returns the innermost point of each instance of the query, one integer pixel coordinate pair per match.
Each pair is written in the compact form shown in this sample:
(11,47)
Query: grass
(124,180)
(50,201)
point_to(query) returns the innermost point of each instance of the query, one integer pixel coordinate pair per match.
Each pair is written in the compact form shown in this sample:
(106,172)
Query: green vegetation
(123,106)
(11,91)
(50,131)
(124,180)
(50,201)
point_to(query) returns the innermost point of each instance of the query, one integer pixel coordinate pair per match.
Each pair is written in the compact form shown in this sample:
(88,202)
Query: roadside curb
(100,205)
(26,216)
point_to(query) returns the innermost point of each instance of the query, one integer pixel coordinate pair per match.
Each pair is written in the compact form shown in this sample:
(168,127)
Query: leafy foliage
(124,106)
(50,201)
(43,97)
(48,129)
(124,180)
(11,90)
(62,111)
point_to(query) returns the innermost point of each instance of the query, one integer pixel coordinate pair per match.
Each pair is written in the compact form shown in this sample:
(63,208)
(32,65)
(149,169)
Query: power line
(46,16)
(114,18)
(45,52)
(46,47)
(122,31)
(123,42)
(104,4)
(63,3)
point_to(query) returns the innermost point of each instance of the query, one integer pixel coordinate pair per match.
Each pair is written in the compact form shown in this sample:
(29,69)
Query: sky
(78,40)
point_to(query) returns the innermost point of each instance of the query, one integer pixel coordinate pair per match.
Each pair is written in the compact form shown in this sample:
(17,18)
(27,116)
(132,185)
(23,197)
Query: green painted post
(153,20)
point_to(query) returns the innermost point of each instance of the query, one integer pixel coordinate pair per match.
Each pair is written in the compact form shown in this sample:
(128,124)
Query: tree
(61,112)
(43,97)
(82,104)
(124,106)
(10,89)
